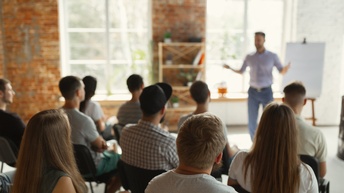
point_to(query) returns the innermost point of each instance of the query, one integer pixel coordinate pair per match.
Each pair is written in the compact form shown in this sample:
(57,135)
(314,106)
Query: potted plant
(175,101)
(188,77)
(167,37)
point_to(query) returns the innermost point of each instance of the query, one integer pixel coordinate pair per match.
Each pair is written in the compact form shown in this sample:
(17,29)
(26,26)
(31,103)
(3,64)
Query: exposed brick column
(183,18)
(32,61)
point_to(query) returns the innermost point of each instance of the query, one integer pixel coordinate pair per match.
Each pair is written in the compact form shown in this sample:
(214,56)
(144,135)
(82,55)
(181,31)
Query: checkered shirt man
(147,146)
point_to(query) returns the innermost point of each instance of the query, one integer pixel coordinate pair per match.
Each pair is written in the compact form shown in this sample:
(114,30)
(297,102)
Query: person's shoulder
(78,116)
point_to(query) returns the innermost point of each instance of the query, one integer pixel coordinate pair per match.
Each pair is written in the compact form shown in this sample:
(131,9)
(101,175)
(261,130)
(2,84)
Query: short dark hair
(134,82)
(294,93)
(199,92)
(259,33)
(3,83)
(68,85)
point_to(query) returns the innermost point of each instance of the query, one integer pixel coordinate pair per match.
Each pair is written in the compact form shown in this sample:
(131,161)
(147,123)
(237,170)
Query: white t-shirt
(308,181)
(178,183)
(94,110)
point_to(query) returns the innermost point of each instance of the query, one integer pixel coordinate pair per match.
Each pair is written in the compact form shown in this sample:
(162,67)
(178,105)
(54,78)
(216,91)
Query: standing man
(11,125)
(261,64)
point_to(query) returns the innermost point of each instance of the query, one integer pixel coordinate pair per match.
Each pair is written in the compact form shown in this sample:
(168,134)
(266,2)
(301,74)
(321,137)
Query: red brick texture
(183,18)
(30,42)
(29,45)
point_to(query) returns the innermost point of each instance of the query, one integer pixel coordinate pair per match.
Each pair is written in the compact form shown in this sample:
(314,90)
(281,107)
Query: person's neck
(71,104)
(155,120)
(188,170)
(3,106)
(201,108)
(261,50)
(135,96)
(297,110)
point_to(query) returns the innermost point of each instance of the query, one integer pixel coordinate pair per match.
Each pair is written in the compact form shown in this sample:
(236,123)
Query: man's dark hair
(68,85)
(260,33)
(199,92)
(3,83)
(294,93)
(134,82)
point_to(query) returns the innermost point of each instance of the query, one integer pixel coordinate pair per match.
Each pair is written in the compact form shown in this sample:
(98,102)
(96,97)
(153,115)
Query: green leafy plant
(167,35)
(188,76)
(174,99)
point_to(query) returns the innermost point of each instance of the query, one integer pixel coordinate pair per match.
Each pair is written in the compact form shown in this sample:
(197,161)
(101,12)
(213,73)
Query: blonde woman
(273,164)
(46,161)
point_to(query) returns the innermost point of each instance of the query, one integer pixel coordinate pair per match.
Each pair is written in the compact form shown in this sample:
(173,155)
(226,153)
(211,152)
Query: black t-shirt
(11,127)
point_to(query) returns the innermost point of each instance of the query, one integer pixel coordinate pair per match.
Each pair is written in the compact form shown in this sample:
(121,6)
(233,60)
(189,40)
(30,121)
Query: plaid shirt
(147,146)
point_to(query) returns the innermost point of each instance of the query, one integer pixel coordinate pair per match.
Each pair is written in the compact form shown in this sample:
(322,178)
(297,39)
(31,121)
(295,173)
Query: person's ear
(283,100)
(162,111)
(304,102)
(1,93)
(218,158)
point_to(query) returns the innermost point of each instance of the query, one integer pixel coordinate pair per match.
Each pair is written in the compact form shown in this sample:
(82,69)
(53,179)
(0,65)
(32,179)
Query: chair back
(117,128)
(7,151)
(84,160)
(313,163)
(136,179)
(225,165)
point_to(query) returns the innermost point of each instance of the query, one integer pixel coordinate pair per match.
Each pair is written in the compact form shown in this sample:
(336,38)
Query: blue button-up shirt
(261,65)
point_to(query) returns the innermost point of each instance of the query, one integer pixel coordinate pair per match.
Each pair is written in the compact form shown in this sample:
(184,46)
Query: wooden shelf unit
(182,56)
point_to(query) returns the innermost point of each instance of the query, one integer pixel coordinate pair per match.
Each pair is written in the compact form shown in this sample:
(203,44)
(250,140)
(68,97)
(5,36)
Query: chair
(8,152)
(135,179)
(239,189)
(117,128)
(87,167)
(324,185)
(225,166)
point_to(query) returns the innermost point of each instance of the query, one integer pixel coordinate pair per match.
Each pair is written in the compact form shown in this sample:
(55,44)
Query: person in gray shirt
(84,129)
(199,146)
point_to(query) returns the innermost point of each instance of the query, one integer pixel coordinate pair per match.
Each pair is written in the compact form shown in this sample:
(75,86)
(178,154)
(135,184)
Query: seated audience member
(146,145)
(130,112)
(273,164)
(92,108)
(84,131)
(200,143)
(11,125)
(46,162)
(6,180)
(200,93)
(312,140)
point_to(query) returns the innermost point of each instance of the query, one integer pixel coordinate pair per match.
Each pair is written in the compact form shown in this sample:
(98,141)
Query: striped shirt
(129,112)
(147,146)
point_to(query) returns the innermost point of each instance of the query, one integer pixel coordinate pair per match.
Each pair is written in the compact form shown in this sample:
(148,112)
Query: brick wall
(1,44)
(30,38)
(31,42)
(183,18)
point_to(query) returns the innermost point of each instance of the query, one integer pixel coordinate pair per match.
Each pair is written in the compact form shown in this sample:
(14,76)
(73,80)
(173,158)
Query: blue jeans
(255,98)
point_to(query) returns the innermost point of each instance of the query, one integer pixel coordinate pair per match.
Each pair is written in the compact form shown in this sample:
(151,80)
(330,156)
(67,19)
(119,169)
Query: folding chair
(324,185)
(87,167)
(135,179)
(117,128)
(8,152)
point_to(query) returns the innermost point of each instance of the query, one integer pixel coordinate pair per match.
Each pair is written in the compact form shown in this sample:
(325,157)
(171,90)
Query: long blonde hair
(46,145)
(274,159)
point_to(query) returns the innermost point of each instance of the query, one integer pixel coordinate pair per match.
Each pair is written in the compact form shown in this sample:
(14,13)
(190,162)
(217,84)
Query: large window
(230,36)
(108,39)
